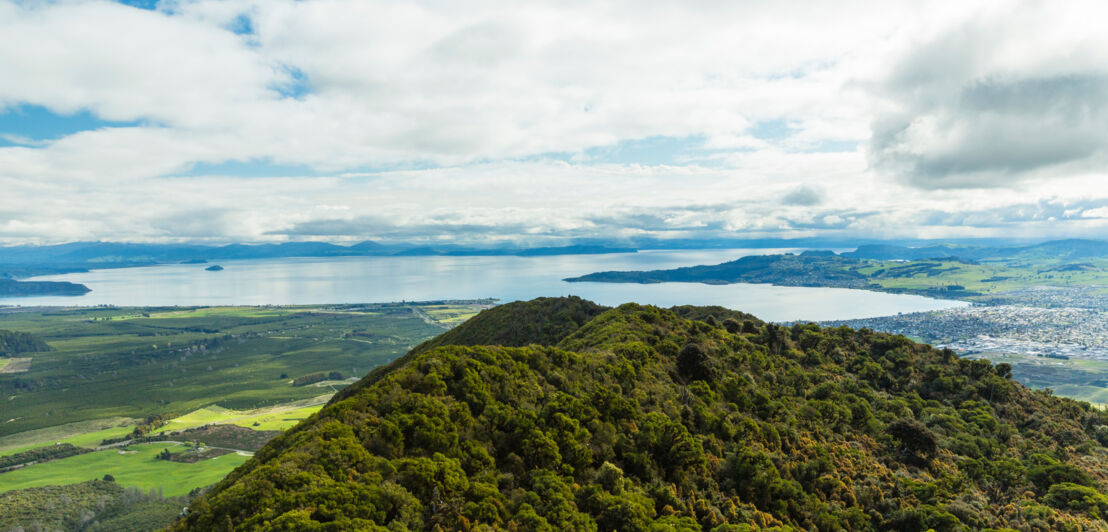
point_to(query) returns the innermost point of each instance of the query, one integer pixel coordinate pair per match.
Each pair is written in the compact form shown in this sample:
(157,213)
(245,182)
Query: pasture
(121,362)
(134,467)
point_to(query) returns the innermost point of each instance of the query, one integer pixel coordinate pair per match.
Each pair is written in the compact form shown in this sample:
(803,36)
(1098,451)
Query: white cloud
(481,93)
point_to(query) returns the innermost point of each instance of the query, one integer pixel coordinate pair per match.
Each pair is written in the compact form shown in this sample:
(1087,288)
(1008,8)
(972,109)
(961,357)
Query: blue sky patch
(298,85)
(39,124)
(141,4)
(242,25)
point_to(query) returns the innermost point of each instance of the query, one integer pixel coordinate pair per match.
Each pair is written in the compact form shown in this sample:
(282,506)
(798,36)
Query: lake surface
(301,281)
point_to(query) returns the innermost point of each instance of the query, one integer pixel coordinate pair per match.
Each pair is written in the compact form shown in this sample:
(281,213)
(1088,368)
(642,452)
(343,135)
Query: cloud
(805,196)
(1005,96)
(440,120)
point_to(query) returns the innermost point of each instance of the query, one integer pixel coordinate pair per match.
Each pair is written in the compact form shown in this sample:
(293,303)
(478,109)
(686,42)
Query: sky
(545,122)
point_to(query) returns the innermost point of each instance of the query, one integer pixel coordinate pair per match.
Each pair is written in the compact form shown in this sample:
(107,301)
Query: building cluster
(1050,331)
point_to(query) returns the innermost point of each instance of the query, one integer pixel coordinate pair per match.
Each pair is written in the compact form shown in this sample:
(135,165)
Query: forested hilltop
(641,418)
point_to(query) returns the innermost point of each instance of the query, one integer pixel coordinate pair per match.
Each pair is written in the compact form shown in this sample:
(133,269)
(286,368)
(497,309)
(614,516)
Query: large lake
(384,279)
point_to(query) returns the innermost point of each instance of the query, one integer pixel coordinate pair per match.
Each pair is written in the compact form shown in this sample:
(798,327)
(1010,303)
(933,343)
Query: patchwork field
(112,369)
(119,362)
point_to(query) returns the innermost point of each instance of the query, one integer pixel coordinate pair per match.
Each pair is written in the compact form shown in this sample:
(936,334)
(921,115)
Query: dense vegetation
(13,343)
(641,419)
(93,506)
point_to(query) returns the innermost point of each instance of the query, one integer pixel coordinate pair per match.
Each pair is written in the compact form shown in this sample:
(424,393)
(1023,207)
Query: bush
(1070,496)
(693,363)
(1046,476)
(917,444)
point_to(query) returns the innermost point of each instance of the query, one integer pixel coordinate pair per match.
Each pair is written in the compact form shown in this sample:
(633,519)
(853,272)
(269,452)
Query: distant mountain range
(26,261)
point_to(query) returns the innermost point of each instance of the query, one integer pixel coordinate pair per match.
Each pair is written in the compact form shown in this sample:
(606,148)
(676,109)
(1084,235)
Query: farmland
(135,467)
(118,362)
(111,369)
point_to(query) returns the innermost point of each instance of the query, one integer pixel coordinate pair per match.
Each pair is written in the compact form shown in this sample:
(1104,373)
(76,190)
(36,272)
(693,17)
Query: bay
(302,281)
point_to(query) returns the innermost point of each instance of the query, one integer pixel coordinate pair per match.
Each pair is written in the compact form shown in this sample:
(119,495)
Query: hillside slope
(641,419)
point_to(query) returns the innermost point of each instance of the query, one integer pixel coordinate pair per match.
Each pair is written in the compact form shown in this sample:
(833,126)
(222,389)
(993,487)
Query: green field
(82,434)
(126,362)
(135,467)
(983,277)
(279,417)
(112,367)
(1081,379)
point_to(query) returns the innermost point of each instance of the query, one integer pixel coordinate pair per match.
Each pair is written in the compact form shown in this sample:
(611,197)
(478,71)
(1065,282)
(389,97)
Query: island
(214,268)
(13,288)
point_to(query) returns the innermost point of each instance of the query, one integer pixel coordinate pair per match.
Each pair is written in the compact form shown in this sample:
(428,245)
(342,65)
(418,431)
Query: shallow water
(382,279)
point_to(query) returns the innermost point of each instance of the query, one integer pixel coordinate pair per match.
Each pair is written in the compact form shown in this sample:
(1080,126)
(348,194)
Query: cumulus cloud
(804,196)
(1015,92)
(481,120)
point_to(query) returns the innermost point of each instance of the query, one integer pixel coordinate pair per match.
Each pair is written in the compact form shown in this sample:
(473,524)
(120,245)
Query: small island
(214,268)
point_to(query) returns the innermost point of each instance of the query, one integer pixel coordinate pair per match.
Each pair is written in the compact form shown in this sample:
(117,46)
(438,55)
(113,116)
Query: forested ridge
(640,418)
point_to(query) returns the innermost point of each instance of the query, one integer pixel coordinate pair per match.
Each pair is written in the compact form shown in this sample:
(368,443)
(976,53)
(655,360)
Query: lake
(301,281)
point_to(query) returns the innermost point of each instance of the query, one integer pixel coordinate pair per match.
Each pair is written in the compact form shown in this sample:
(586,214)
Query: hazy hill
(11,287)
(806,269)
(641,419)
(1052,250)
(19,261)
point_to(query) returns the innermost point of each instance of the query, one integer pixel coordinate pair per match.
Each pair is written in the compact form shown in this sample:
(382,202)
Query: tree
(917,444)
(693,363)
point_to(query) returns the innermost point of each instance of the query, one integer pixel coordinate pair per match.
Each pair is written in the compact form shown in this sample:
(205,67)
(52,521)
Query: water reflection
(376,279)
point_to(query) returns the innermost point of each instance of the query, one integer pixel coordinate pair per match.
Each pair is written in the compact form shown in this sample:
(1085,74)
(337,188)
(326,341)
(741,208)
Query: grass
(117,362)
(279,420)
(3,362)
(1081,379)
(450,314)
(280,417)
(1092,394)
(110,367)
(985,277)
(82,434)
(196,418)
(136,467)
